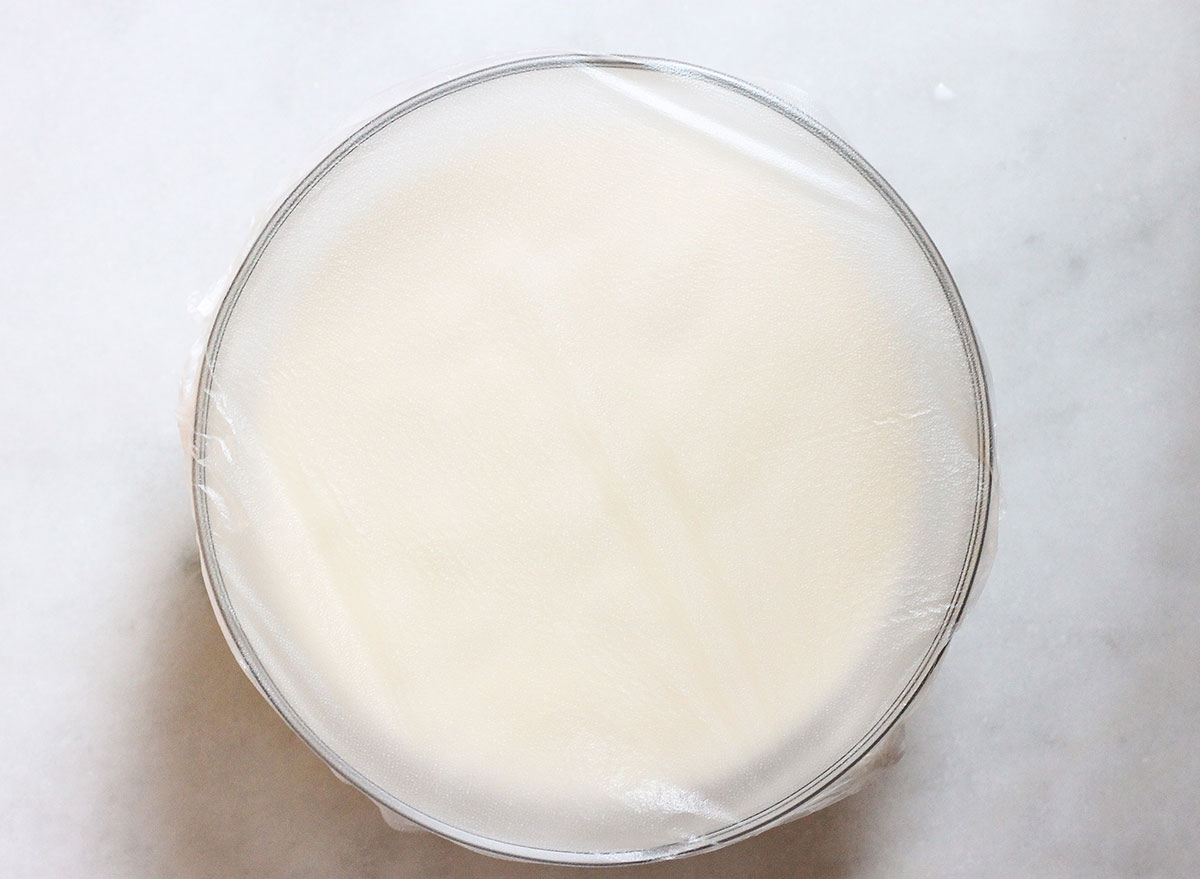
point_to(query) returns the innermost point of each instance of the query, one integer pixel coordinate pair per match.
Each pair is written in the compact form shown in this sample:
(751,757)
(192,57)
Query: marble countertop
(1050,148)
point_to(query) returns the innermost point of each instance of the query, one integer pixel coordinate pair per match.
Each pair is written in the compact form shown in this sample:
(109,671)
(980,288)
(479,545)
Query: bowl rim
(812,791)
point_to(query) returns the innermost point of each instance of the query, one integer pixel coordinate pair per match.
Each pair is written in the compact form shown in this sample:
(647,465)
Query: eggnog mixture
(592,459)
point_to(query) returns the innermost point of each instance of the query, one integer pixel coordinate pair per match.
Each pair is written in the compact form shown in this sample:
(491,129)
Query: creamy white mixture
(593,458)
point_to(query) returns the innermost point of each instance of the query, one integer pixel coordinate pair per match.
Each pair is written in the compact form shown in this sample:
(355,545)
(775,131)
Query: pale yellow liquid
(596,459)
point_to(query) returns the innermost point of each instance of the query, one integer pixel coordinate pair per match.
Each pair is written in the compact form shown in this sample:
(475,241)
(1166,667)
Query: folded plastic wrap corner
(592,459)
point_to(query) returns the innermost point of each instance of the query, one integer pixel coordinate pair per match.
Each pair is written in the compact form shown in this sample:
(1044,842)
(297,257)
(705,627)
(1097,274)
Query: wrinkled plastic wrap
(591,460)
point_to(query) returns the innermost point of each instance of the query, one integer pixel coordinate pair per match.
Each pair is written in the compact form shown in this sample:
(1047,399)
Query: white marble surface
(1060,174)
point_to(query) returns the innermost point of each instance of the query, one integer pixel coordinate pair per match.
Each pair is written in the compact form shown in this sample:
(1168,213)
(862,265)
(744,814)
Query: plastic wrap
(591,460)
